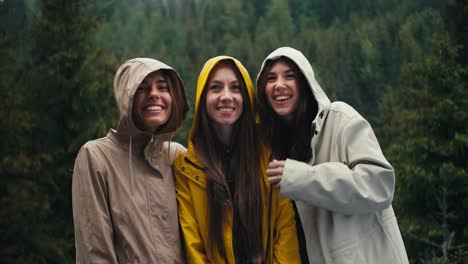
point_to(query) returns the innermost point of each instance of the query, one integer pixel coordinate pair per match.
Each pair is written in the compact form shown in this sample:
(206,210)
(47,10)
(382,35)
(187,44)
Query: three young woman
(327,159)
(227,210)
(124,204)
(324,156)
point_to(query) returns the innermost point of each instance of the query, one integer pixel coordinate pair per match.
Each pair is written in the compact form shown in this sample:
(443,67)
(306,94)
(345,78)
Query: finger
(280,163)
(274,180)
(274,172)
(276,163)
(272,164)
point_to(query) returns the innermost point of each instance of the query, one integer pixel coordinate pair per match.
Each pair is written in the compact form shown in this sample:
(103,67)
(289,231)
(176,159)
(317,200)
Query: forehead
(223,71)
(154,76)
(280,65)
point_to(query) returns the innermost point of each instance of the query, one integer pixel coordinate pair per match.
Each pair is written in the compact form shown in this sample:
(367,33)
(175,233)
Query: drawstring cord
(269,225)
(131,166)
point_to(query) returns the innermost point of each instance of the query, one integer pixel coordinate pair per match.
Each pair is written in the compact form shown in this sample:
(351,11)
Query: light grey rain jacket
(124,204)
(344,193)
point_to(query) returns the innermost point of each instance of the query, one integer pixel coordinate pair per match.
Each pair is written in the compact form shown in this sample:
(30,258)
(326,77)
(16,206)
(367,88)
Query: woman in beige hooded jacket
(124,204)
(329,161)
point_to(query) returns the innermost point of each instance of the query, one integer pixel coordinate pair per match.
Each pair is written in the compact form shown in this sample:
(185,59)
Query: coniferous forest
(403,64)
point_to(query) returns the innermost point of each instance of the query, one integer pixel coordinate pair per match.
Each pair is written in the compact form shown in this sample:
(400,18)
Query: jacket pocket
(390,226)
(348,255)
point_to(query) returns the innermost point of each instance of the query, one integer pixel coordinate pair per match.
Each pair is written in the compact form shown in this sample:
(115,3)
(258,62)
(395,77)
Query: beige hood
(126,81)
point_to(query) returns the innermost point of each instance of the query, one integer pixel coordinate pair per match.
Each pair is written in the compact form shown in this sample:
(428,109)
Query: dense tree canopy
(402,64)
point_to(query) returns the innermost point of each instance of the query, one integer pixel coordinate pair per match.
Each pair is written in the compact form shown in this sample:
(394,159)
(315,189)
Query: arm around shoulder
(175,149)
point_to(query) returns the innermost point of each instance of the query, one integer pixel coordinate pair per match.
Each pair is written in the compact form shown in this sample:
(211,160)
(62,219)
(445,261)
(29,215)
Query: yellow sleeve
(194,247)
(286,245)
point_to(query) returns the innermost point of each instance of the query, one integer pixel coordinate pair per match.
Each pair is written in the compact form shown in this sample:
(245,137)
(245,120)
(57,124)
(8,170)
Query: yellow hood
(203,78)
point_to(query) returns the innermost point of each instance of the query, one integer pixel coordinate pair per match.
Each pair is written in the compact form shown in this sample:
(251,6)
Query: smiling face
(223,97)
(152,102)
(281,89)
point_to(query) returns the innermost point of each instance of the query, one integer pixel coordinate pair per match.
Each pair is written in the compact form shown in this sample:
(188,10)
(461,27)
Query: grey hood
(305,67)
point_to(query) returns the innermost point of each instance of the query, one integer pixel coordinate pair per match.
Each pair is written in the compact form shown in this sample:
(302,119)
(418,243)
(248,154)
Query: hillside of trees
(402,64)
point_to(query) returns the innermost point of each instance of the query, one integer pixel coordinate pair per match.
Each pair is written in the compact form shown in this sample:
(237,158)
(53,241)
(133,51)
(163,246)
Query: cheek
(268,89)
(167,99)
(209,106)
(268,93)
(136,102)
(208,101)
(240,100)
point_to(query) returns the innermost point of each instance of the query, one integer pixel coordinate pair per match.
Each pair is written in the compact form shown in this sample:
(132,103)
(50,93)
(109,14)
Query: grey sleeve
(364,183)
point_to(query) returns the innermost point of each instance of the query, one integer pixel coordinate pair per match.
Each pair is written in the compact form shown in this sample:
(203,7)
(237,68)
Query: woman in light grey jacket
(326,157)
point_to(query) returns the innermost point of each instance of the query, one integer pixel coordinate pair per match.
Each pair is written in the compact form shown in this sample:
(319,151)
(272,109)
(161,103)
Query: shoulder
(92,155)
(344,115)
(186,165)
(344,109)
(93,147)
(180,158)
(173,148)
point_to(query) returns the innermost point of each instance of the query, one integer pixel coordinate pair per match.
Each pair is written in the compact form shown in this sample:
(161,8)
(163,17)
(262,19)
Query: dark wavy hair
(287,139)
(244,168)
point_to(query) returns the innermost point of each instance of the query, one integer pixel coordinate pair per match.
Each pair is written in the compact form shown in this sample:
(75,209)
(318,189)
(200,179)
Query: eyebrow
(162,80)
(220,82)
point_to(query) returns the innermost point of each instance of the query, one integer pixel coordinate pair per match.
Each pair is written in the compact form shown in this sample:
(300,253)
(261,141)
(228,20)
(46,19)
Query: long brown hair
(287,139)
(245,169)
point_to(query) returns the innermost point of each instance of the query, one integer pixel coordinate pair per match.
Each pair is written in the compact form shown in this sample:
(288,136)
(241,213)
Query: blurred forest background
(401,63)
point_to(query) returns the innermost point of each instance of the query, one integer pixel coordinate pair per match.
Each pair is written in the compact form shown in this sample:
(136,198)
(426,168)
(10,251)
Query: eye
(236,87)
(142,88)
(163,87)
(291,76)
(271,78)
(214,87)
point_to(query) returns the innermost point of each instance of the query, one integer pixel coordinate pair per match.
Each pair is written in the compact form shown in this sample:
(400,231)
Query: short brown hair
(179,102)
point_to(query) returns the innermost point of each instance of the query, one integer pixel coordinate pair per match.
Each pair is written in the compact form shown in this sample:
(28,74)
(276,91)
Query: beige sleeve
(91,216)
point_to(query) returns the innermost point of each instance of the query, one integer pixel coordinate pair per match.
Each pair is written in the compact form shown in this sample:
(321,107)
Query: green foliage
(57,97)
(425,128)
(58,59)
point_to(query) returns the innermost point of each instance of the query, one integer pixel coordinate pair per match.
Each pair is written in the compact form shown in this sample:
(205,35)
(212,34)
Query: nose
(153,92)
(280,83)
(226,94)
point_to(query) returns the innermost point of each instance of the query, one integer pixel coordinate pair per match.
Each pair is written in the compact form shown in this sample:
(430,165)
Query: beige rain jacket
(344,194)
(124,204)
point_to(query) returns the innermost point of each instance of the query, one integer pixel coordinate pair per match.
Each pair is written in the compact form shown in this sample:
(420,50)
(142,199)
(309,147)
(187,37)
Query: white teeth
(226,109)
(282,97)
(154,108)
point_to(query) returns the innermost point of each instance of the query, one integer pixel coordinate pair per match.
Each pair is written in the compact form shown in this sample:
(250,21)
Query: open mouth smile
(282,98)
(226,109)
(154,108)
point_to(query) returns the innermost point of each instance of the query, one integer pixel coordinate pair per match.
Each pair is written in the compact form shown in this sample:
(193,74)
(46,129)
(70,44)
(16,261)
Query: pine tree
(426,131)
(61,98)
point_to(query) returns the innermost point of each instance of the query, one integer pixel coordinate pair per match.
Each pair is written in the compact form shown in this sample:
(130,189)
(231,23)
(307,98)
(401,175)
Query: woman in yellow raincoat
(227,210)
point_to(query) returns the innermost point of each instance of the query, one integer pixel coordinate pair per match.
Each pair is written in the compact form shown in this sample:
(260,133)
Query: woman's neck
(224,134)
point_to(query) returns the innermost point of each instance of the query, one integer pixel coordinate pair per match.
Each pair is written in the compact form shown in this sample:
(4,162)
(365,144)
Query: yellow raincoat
(278,215)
